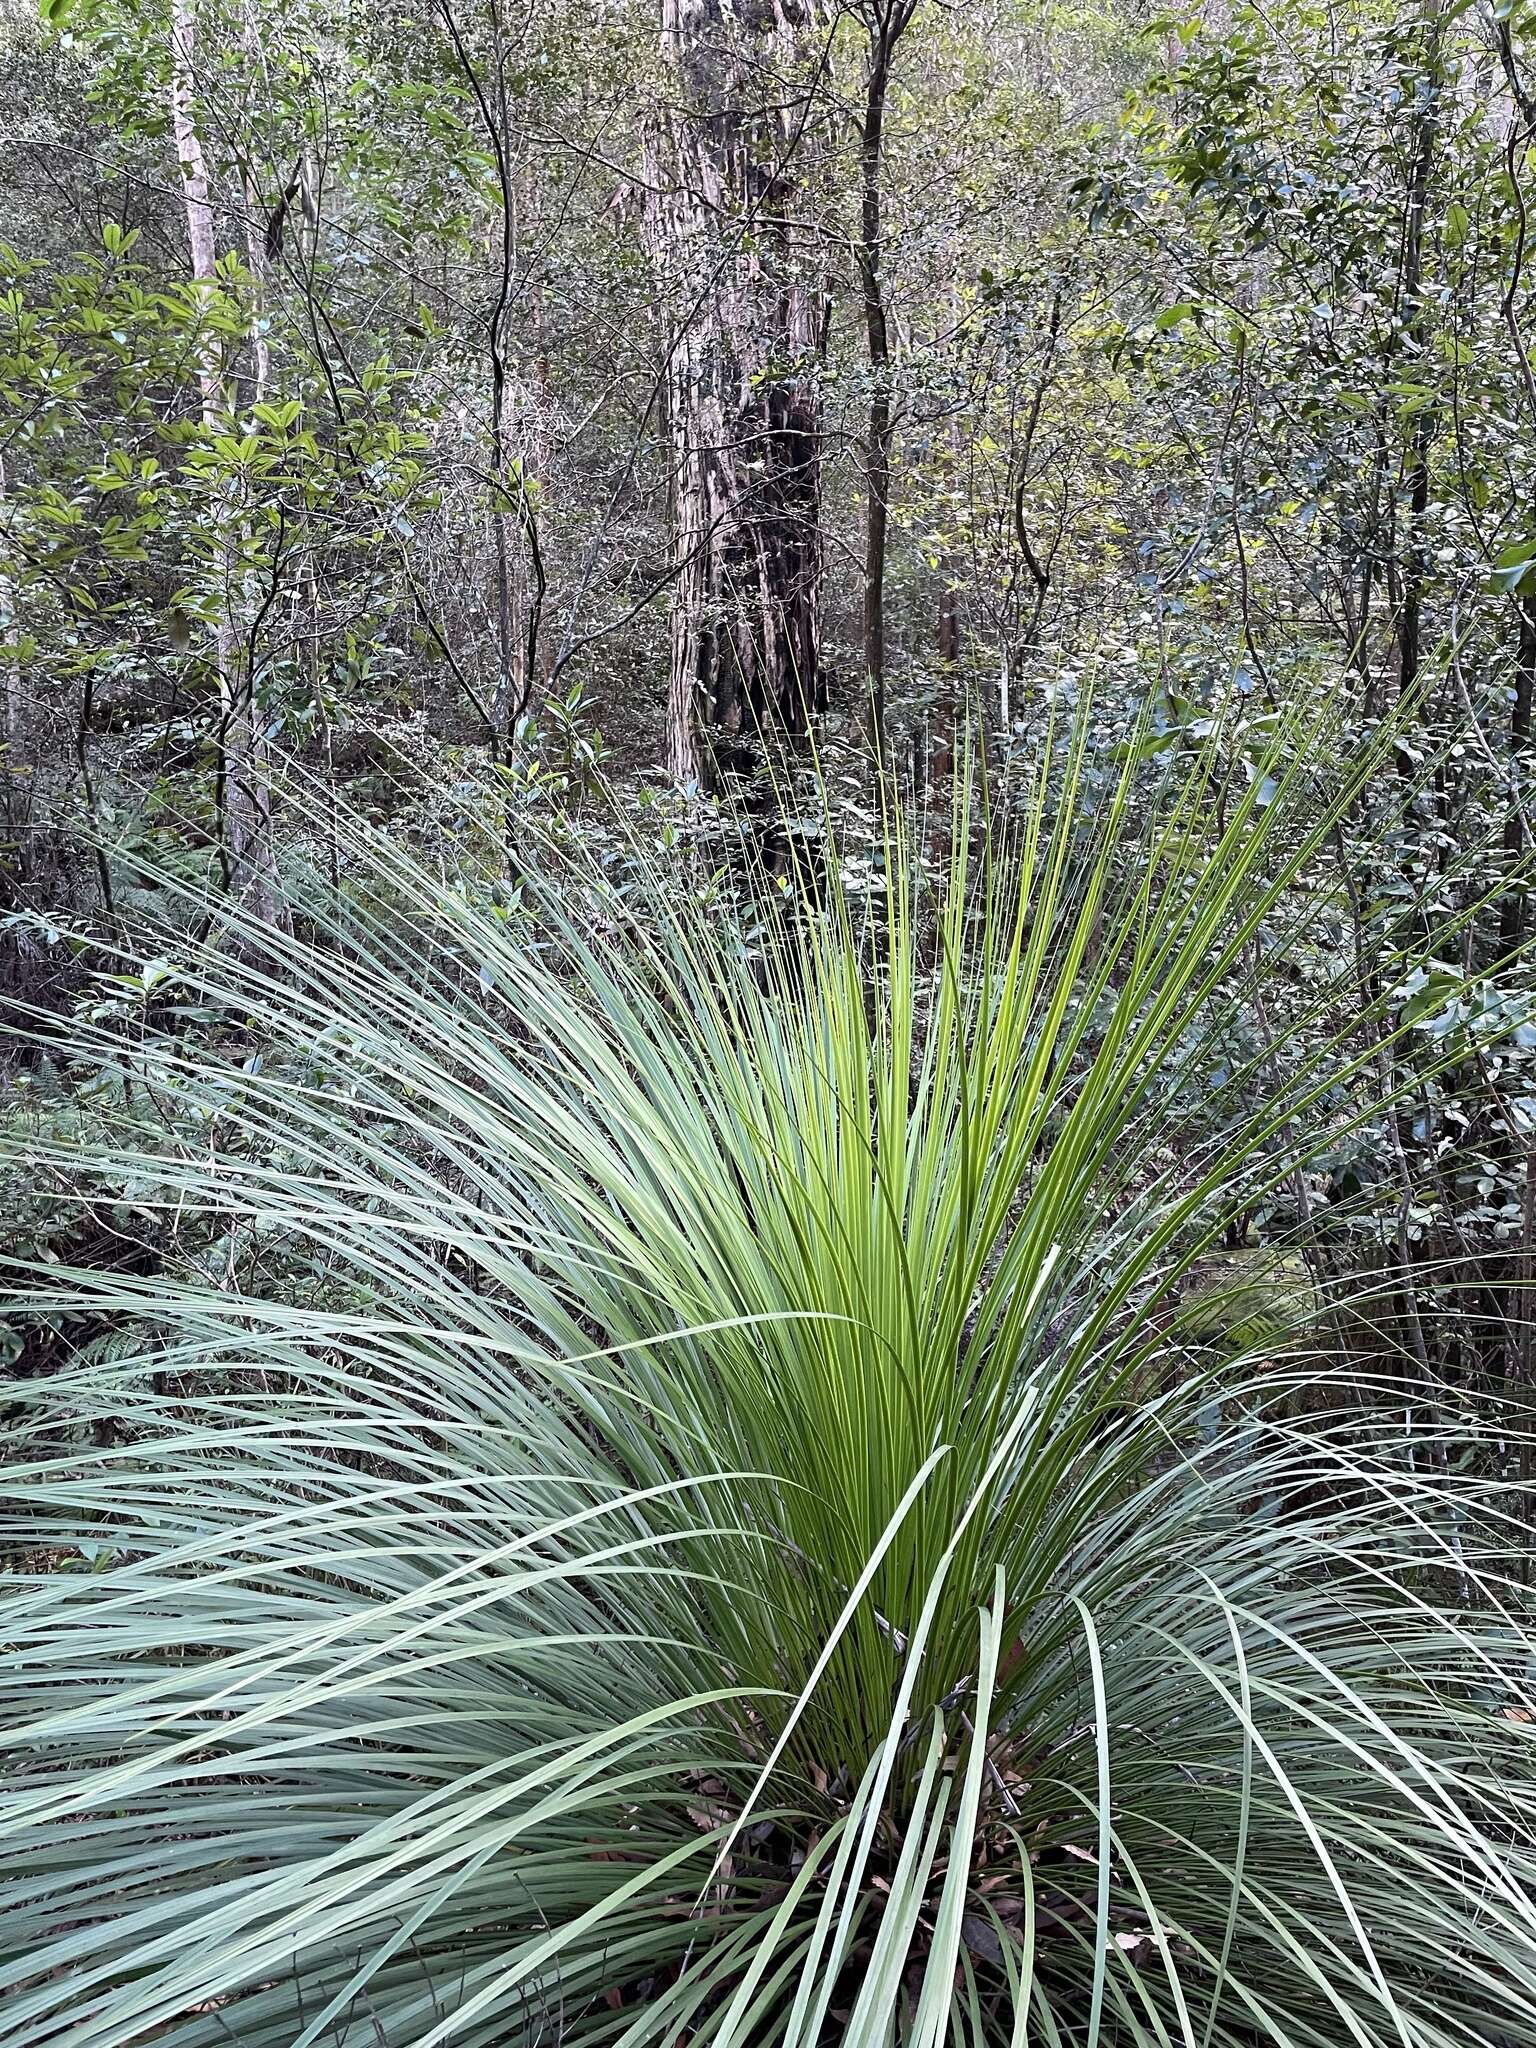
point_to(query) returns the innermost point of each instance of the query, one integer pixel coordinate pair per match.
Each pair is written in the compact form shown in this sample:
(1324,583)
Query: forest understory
(767,1024)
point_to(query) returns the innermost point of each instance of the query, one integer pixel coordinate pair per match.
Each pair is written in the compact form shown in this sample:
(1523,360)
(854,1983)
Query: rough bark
(244,790)
(740,395)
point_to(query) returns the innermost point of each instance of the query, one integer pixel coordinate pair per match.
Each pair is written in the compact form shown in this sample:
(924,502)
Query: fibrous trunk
(742,410)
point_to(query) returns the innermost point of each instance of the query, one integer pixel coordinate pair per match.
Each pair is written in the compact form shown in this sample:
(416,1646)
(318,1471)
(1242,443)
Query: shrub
(673,1500)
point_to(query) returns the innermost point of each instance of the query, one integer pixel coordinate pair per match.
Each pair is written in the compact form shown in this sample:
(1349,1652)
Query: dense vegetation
(769,1143)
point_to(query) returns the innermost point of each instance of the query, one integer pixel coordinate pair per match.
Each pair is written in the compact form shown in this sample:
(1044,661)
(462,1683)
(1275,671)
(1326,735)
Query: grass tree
(659,1490)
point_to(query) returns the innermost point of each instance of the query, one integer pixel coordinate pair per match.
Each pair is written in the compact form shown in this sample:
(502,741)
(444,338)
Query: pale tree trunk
(951,562)
(256,264)
(244,801)
(255,233)
(14,734)
(741,400)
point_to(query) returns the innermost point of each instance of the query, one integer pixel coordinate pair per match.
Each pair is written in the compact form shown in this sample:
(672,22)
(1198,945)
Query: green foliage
(683,1502)
(585,1467)
(115,538)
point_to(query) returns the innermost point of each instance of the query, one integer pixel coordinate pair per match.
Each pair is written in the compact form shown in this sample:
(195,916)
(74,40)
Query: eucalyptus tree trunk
(740,391)
(243,791)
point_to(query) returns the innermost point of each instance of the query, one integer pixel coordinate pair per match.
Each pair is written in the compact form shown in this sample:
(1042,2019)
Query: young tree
(244,786)
(885,23)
